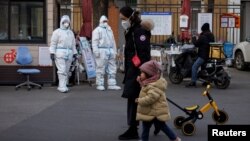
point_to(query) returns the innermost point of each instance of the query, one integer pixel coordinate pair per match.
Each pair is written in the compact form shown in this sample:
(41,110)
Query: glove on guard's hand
(75,56)
(52,57)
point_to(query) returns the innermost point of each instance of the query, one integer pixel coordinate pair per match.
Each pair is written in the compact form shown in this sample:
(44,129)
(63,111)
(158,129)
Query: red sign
(9,57)
(230,20)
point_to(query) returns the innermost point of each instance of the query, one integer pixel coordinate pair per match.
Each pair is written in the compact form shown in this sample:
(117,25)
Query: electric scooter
(186,124)
(213,71)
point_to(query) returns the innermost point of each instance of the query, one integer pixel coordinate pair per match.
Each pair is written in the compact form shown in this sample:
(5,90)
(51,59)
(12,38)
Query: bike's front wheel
(220,119)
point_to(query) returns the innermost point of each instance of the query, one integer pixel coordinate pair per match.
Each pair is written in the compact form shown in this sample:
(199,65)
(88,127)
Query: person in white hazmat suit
(104,49)
(62,50)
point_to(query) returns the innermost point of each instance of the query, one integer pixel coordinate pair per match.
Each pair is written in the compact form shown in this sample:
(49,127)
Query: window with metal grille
(22,21)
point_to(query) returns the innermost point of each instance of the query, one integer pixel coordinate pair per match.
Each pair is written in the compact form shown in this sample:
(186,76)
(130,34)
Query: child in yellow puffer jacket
(152,104)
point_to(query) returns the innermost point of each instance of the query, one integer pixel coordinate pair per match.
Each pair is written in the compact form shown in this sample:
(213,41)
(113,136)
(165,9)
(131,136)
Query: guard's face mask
(104,24)
(66,24)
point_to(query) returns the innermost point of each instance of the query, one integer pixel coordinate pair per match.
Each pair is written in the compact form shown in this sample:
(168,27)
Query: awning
(87,12)
(186,11)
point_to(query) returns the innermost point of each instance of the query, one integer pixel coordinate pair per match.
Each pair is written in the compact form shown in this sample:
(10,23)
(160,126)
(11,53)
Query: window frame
(44,37)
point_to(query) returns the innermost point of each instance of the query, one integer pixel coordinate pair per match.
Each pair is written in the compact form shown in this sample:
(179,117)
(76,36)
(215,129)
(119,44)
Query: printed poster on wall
(44,57)
(184,21)
(205,18)
(162,22)
(88,58)
(224,22)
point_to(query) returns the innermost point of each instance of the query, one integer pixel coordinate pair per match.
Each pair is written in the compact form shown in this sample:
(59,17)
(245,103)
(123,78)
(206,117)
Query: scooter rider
(104,49)
(62,50)
(202,43)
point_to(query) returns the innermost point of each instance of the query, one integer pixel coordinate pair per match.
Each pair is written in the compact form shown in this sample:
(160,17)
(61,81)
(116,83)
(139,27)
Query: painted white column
(50,19)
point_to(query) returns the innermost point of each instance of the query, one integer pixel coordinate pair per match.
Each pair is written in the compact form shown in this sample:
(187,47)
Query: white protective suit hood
(101,21)
(103,18)
(63,19)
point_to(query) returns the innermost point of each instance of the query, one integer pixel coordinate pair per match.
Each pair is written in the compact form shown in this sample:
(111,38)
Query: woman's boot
(130,134)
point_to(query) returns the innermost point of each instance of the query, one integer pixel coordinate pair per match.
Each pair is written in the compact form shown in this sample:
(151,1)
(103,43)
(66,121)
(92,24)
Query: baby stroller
(74,72)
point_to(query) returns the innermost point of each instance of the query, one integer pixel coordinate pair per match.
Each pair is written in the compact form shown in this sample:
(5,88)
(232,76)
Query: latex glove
(75,56)
(52,57)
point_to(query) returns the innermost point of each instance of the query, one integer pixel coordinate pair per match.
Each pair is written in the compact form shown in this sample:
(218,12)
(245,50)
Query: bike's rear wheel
(222,84)
(188,128)
(222,81)
(220,119)
(178,121)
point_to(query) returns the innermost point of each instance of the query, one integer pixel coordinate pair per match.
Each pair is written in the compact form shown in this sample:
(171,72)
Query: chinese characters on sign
(229,20)
(205,18)
(162,22)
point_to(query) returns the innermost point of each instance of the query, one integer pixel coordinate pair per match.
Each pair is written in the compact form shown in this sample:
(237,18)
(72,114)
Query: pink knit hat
(151,67)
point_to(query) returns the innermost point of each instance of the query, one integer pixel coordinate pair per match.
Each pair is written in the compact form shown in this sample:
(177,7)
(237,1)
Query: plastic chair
(24,58)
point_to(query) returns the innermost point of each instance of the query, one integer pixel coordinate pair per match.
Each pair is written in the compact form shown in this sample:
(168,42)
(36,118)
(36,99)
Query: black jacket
(142,41)
(203,44)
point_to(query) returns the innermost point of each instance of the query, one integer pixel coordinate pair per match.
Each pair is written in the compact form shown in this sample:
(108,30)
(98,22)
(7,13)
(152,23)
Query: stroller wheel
(188,128)
(178,121)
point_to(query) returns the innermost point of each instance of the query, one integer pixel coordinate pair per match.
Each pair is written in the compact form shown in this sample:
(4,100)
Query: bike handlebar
(206,91)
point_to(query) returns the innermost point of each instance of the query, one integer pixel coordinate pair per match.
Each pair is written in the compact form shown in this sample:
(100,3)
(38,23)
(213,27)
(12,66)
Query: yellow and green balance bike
(186,124)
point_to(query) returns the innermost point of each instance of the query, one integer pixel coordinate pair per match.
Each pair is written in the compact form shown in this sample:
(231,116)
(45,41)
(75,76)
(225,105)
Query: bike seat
(191,108)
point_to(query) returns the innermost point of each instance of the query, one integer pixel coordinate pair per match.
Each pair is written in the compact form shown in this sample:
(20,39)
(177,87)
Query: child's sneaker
(177,139)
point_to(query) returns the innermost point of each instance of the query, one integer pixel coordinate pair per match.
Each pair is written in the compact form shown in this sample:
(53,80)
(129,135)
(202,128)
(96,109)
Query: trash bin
(228,49)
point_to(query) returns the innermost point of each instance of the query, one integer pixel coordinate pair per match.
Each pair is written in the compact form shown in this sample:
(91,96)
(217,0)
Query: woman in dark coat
(137,36)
